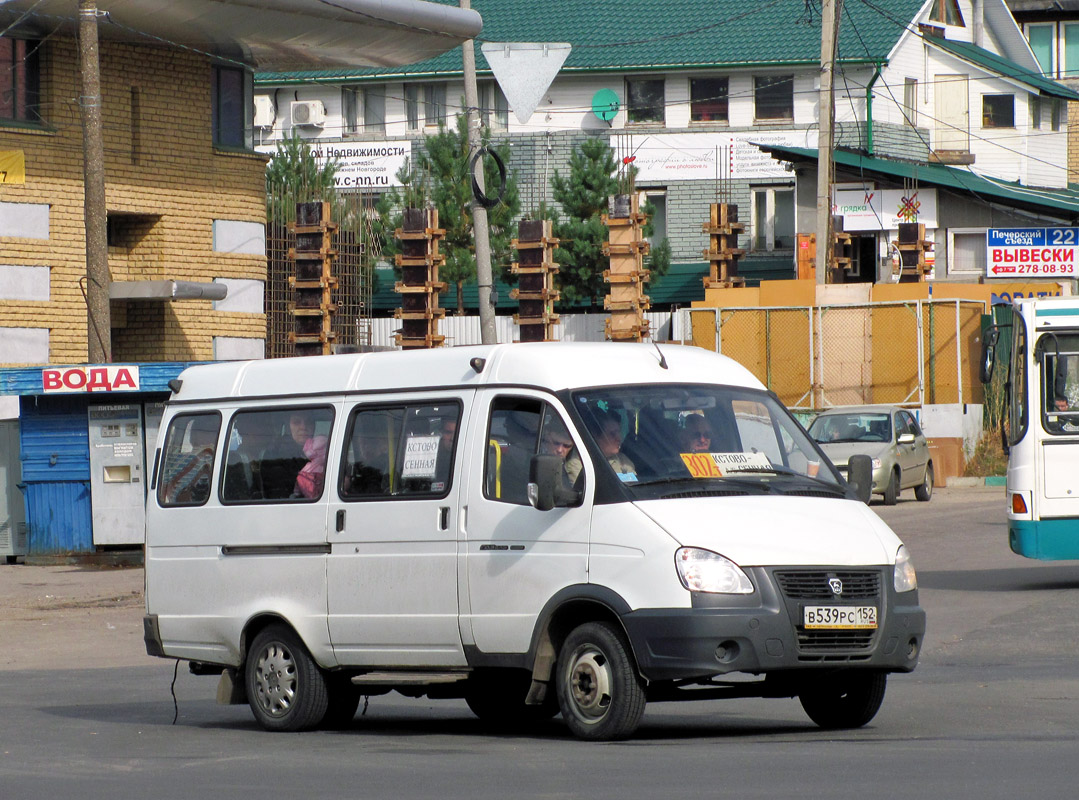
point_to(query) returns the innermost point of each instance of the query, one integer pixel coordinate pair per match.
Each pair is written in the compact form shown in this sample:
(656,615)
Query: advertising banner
(1031,252)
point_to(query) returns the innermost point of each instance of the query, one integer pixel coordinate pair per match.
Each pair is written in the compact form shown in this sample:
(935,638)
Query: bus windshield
(655,436)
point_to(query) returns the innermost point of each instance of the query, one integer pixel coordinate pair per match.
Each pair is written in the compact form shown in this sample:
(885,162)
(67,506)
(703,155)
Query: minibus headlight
(905,579)
(705,571)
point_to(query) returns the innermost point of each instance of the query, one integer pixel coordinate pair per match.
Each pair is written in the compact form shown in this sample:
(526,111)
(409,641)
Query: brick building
(186,213)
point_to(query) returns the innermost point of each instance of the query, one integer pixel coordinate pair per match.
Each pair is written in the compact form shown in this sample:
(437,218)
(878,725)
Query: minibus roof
(546,365)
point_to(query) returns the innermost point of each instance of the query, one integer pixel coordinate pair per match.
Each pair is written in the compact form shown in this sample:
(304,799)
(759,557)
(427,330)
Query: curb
(992,480)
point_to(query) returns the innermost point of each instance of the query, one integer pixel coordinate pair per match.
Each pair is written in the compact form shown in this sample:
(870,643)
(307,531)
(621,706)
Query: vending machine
(117,474)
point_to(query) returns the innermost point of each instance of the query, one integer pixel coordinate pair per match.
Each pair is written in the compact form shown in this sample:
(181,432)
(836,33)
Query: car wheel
(497,697)
(891,491)
(599,691)
(285,687)
(844,700)
(925,491)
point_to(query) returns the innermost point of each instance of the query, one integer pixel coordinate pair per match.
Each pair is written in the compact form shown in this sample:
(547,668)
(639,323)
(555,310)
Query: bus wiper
(746,484)
(794,473)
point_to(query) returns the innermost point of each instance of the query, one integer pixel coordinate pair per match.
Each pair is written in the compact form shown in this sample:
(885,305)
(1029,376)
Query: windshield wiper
(746,484)
(794,473)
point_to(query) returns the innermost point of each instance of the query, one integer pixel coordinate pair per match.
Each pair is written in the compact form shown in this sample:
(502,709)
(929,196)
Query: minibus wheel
(844,700)
(600,694)
(285,687)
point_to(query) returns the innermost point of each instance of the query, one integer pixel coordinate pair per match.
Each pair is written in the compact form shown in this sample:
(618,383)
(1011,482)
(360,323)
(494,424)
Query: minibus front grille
(815,584)
(813,644)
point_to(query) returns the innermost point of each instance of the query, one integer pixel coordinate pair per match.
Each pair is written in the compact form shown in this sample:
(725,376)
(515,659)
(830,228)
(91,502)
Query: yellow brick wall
(161,163)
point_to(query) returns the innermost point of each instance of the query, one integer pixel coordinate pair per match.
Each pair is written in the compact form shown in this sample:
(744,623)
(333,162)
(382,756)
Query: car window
(187,467)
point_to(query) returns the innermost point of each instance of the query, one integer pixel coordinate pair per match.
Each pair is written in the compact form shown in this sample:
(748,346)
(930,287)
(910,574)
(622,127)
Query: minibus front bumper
(764,632)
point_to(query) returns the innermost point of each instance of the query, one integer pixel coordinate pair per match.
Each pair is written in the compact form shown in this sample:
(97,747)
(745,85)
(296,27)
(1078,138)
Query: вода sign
(58,380)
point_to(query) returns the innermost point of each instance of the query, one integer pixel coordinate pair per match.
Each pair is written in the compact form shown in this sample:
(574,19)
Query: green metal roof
(1057,202)
(645,34)
(991,62)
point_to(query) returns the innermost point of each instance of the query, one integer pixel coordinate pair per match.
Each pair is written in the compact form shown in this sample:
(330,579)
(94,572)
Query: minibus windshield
(655,436)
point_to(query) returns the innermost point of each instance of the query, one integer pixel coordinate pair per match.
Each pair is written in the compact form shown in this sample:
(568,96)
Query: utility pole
(98,318)
(826,115)
(480,232)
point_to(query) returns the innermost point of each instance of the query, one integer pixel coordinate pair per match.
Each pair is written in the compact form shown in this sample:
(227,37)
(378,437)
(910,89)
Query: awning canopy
(1059,203)
(270,34)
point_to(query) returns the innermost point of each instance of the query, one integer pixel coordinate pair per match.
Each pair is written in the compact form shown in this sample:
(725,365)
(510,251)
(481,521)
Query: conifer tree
(439,175)
(582,196)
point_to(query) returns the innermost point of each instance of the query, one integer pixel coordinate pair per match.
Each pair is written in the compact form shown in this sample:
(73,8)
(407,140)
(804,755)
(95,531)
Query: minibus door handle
(340,520)
(443,518)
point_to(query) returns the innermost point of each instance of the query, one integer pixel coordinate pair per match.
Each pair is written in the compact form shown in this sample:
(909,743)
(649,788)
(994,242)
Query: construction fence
(814,357)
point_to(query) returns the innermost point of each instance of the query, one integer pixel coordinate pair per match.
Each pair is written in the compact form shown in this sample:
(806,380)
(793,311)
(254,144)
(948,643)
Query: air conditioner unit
(308,112)
(264,111)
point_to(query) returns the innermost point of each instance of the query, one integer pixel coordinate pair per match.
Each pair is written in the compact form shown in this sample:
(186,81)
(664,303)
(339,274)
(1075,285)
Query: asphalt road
(991,712)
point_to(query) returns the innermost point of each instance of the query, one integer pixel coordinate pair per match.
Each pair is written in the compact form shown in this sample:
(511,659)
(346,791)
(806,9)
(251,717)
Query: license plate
(839,617)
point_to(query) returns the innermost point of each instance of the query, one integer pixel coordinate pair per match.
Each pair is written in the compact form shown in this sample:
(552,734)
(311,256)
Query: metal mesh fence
(899,353)
(353,266)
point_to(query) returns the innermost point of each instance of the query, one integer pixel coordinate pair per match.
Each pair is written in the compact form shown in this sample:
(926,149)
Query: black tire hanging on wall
(285,687)
(600,694)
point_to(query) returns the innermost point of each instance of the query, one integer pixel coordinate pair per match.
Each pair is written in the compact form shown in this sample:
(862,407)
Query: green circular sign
(605,104)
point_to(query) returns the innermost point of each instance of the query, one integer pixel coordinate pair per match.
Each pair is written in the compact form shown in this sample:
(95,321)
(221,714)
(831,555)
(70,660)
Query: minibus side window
(756,431)
(187,469)
(393,451)
(520,428)
(276,455)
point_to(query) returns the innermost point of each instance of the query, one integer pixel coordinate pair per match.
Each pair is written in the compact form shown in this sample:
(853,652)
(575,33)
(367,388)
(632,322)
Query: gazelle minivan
(535,528)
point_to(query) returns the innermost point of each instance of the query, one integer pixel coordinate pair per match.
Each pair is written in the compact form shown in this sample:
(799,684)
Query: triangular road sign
(525,71)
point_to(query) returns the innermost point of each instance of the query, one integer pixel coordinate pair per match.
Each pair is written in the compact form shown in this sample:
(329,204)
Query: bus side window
(187,471)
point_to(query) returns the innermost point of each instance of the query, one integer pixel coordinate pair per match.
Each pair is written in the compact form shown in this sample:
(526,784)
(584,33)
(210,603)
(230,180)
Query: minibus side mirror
(860,476)
(546,488)
(989,351)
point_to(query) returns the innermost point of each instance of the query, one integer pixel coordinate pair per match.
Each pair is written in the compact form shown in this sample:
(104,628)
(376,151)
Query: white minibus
(535,528)
(1038,350)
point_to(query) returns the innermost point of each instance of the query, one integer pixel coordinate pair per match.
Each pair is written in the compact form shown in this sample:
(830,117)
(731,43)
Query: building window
(1035,112)
(645,100)
(773,97)
(1071,51)
(425,104)
(773,219)
(1042,41)
(494,108)
(966,250)
(708,99)
(20,80)
(998,110)
(231,95)
(1058,113)
(910,101)
(654,204)
(363,110)
(947,11)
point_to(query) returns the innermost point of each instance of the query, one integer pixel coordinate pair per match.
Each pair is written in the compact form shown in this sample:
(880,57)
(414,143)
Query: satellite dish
(605,104)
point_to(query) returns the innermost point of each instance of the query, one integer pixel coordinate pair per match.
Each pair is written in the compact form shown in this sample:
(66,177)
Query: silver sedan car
(887,434)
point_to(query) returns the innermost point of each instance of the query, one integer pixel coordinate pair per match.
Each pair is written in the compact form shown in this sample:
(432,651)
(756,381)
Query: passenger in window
(696,434)
(609,438)
(312,475)
(283,460)
(557,442)
(188,482)
(370,472)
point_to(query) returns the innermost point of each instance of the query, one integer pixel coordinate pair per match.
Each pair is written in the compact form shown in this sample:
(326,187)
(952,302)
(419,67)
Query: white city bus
(1039,348)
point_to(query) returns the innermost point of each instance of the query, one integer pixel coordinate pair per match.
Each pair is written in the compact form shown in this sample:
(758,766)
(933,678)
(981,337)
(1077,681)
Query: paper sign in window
(421,456)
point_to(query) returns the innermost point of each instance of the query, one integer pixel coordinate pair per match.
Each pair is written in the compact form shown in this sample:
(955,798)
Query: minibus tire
(285,687)
(845,700)
(600,694)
